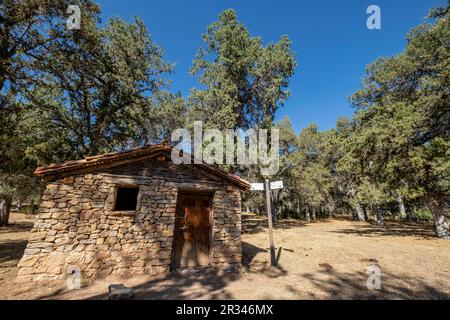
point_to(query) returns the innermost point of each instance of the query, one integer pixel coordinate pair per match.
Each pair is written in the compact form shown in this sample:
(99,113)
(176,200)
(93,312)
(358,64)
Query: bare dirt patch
(322,260)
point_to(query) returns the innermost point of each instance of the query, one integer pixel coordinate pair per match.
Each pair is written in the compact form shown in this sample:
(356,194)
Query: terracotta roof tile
(111,157)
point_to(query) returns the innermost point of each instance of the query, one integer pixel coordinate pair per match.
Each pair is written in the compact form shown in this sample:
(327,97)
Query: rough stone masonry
(77,226)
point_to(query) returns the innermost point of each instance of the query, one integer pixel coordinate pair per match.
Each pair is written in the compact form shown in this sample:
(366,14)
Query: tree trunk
(330,208)
(359,212)
(366,213)
(5,205)
(308,217)
(409,216)
(401,206)
(314,214)
(440,220)
(378,216)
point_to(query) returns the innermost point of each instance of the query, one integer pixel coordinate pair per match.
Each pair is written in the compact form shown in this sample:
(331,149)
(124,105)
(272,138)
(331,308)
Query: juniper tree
(27,29)
(244,81)
(104,82)
(71,93)
(404,115)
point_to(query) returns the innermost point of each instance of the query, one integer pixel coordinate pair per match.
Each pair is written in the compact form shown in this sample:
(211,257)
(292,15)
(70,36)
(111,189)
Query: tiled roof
(110,158)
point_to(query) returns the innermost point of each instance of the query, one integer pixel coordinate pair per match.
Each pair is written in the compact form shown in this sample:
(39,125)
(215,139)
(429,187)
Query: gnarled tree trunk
(331,208)
(308,217)
(359,212)
(401,206)
(378,217)
(440,220)
(409,216)
(366,212)
(5,206)
(313,214)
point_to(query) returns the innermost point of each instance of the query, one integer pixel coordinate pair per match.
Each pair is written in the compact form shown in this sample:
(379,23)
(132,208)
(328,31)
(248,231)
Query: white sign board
(276,185)
(256,186)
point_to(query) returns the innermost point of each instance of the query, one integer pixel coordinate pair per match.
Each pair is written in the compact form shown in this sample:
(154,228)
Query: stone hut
(134,212)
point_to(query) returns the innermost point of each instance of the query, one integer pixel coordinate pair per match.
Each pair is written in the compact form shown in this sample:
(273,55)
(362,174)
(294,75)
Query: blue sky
(330,37)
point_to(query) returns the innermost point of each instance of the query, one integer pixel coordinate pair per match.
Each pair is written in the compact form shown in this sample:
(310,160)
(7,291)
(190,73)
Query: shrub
(288,213)
(421,214)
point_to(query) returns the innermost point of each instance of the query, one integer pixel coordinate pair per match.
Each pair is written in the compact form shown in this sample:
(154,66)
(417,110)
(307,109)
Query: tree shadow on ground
(252,224)
(264,268)
(200,284)
(54,290)
(350,286)
(395,229)
(192,283)
(16,227)
(11,251)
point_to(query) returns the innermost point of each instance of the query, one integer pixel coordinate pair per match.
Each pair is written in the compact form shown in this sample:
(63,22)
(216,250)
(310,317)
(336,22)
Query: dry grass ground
(322,260)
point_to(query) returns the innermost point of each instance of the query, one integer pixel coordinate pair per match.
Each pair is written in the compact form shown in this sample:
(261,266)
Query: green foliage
(245,82)
(400,143)
(372,195)
(65,93)
(403,116)
(26,29)
(421,214)
(292,214)
(311,178)
(98,85)
(395,149)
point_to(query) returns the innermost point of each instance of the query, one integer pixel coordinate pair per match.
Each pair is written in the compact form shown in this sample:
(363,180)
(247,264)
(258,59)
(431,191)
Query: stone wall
(77,226)
(227,246)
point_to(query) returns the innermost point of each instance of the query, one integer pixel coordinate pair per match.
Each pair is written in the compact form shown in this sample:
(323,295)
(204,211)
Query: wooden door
(192,232)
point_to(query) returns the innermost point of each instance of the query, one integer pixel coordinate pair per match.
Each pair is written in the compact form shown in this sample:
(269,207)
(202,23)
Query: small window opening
(126,199)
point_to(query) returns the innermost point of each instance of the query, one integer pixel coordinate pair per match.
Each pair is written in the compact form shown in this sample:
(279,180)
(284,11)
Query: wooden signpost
(268,186)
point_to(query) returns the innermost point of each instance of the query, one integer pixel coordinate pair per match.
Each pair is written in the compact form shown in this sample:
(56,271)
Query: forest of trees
(66,94)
